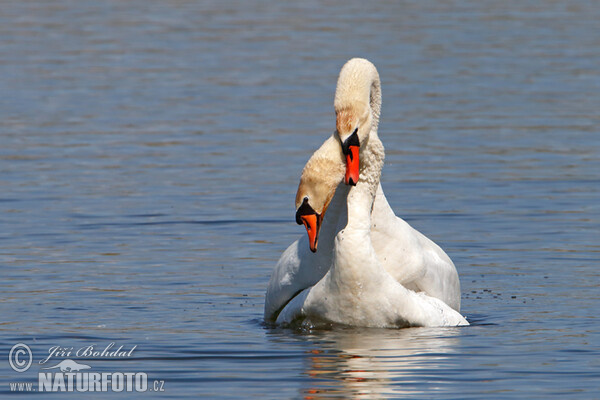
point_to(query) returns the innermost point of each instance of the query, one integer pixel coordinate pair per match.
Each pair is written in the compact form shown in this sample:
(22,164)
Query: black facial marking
(304,209)
(351,141)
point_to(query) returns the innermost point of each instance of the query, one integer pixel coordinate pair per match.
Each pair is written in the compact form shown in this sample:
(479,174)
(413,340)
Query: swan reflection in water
(364,363)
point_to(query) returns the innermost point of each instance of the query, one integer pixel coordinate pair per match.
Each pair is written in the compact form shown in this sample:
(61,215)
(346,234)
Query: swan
(356,290)
(411,258)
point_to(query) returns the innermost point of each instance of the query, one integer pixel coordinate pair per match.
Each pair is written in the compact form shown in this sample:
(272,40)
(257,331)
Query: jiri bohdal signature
(91,351)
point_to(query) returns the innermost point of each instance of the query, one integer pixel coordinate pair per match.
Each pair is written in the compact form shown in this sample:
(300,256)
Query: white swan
(413,259)
(410,257)
(357,290)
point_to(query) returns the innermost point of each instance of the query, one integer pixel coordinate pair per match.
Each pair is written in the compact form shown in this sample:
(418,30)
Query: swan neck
(335,212)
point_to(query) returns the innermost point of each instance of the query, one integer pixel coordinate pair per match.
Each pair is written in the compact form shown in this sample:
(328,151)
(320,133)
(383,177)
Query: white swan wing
(422,310)
(296,270)
(410,257)
(287,279)
(440,278)
(293,310)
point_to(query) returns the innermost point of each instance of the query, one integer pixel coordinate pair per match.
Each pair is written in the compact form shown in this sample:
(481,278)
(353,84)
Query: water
(150,153)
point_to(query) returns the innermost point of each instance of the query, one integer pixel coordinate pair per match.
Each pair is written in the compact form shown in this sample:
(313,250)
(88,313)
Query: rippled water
(150,153)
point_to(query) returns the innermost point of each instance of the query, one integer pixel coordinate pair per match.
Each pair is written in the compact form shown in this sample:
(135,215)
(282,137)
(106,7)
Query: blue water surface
(150,153)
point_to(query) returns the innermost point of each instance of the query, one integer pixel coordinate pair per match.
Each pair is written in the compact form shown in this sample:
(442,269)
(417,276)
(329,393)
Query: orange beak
(311,223)
(352,165)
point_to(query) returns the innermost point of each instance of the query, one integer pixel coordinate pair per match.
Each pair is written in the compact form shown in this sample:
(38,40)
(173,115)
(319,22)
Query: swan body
(372,268)
(357,290)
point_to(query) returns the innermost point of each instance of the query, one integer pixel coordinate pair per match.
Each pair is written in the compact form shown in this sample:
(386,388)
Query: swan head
(352,129)
(320,178)
(357,105)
